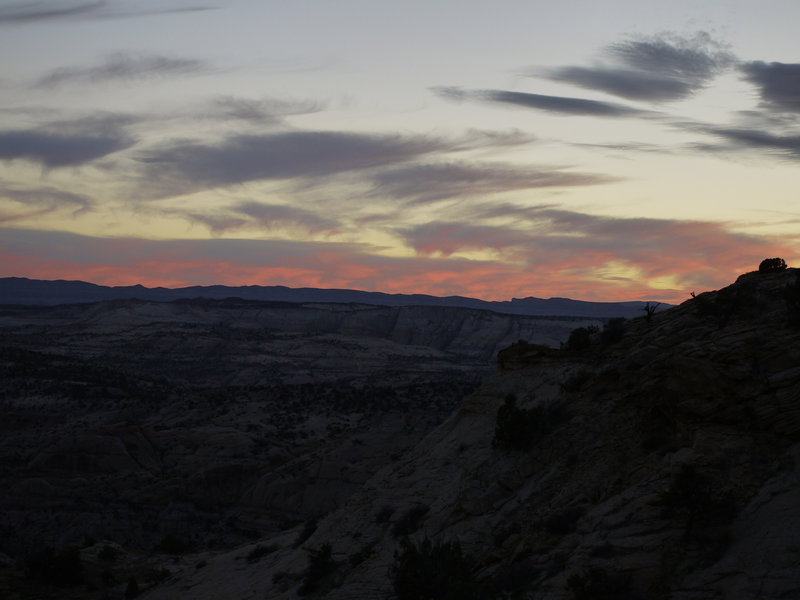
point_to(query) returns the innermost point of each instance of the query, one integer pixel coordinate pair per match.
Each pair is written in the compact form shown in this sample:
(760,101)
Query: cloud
(48,10)
(187,165)
(747,139)
(697,58)
(779,83)
(275,216)
(624,262)
(269,111)
(44,11)
(48,198)
(447,238)
(55,150)
(633,85)
(658,69)
(555,104)
(121,67)
(431,182)
(692,253)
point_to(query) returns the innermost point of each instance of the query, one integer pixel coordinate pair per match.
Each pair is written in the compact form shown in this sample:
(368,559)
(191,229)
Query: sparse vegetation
(612,332)
(598,584)
(320,566)
(519,428)
(770,265)
(736,300)
(384,514)
(564,522)
(440,571)
(580,339)
(260,551)
(410,521)
(308,530)
(132,589)
(60,568)
(172,544)
(791,295)
(650,309)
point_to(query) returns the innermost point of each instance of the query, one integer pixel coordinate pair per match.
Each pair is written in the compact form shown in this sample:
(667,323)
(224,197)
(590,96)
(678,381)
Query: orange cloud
(709,258)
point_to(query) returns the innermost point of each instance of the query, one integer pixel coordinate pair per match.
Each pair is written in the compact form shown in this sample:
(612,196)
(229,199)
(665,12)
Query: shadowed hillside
(660,463)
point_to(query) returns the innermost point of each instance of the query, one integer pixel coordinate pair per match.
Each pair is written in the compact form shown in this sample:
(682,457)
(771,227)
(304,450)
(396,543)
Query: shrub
(132,589)
(579,339)
(384,514)
(564,522)
(320,566)
(519,428)
(260,551)
(613,330)
(770,265)
(597,584)
(435,572)
(576,381)
(791,295)
(410,521)
(308,530)
(62,568)
(172,544)
(107,554)
(705,507)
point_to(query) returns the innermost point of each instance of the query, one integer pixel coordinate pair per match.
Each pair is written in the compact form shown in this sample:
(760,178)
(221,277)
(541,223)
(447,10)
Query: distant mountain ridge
(21,290)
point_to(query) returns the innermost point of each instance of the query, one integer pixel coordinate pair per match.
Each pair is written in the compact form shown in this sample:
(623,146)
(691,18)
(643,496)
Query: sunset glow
(638,152)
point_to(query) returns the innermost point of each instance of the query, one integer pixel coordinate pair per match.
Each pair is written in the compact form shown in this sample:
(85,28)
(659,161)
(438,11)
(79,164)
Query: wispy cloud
(547,237)
(658,69)
(739,139)
(124,67)
(48,198)
(45,11)
(610,267)
(265,111)
(554,104)
(67,143)
(431,182)
(778,83)
(184,166)
(48,10)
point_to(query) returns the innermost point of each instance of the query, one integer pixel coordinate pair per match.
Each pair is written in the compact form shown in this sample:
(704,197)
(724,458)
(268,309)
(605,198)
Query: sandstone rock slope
(662,463)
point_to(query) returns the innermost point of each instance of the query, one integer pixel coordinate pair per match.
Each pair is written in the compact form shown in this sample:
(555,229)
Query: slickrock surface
(671,471)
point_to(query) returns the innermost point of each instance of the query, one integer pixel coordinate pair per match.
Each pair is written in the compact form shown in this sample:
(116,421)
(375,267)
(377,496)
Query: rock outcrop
(672,471)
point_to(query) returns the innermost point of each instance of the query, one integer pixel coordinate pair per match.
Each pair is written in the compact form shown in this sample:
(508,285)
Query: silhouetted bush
(650,309)
(511,581)
(260,551)
(579,339)
(770,265)
(738,299)
(320,566)
(384,514)
(791,295)
(576,381)
(308,530)
(107,554)
(703,505)
(519,428)
(62,568)
(171,544)
(613,330)
(597,584)
(436,572)
(410,521)
(564,522)
(132,589)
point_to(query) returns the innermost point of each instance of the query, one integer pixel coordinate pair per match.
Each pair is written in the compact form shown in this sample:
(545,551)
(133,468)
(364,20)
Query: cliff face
(672,471)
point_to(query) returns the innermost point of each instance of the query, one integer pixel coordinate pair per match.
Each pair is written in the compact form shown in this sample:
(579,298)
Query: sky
(606,151)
